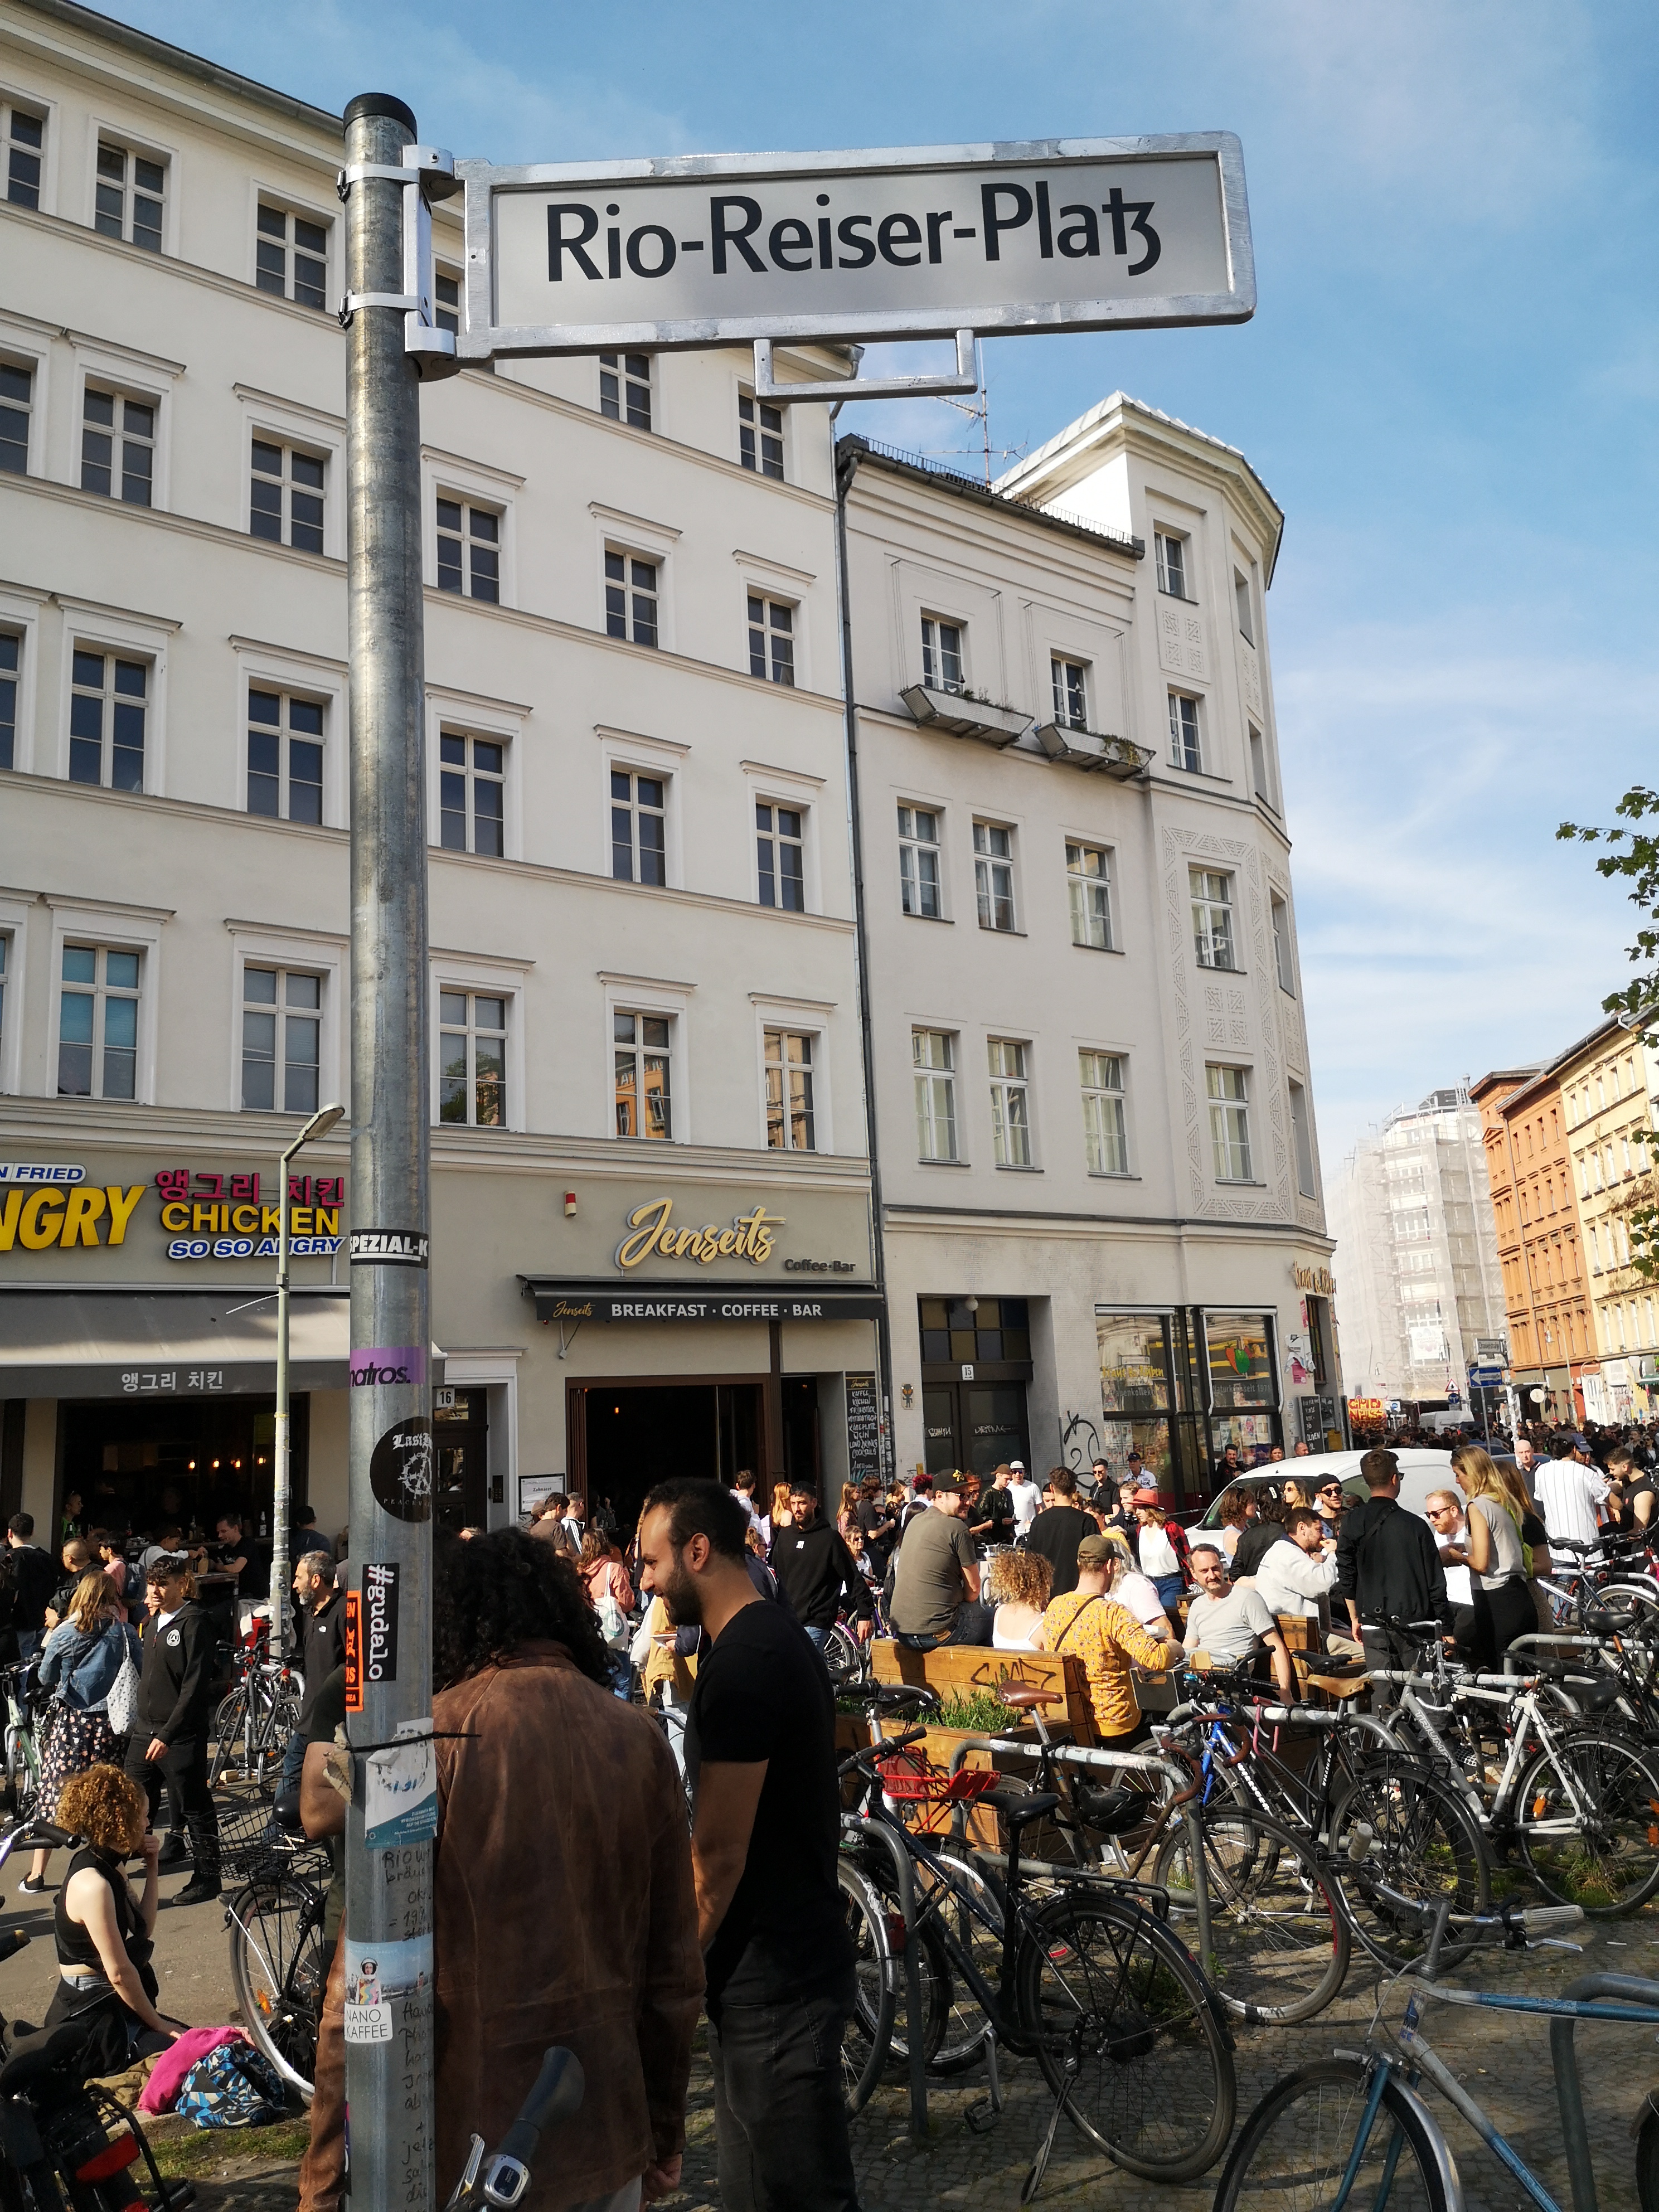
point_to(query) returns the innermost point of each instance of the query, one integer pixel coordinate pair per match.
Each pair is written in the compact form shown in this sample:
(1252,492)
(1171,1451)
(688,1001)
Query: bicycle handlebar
(876,1750)
(558,2092)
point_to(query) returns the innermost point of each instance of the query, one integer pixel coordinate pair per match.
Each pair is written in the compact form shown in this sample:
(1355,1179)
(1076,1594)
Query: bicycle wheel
(1398,1825)
(1121,2021)
(1279,1946)
(229,1721)
(844,1654)
(278,1969)
(968,1904)
(867,2038)
(1293,2149)
(1587,1819)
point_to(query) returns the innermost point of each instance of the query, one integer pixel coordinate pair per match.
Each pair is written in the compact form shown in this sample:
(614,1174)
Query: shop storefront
(1180,1387)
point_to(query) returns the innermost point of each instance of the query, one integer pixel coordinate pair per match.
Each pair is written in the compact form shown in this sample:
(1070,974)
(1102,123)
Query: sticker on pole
(400,1802)
(368,2023)
(380,1623)
(351,1643)
(400,1471)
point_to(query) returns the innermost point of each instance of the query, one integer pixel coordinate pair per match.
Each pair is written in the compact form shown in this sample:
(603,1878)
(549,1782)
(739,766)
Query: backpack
(234,2087)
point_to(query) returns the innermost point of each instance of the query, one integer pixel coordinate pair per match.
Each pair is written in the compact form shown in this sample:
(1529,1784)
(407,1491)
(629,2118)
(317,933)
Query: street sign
(708,250)
(1485,1379)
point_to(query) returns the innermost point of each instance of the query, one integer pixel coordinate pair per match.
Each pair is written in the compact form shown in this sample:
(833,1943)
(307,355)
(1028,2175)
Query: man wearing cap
(993,1521)
(1088,1624)
(936,1576)
(1026,1496)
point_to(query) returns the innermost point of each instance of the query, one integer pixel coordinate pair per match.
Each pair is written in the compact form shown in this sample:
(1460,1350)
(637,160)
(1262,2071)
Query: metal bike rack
(1574,2130)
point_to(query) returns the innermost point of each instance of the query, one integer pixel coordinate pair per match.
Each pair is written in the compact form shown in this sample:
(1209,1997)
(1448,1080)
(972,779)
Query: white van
(1422,1468)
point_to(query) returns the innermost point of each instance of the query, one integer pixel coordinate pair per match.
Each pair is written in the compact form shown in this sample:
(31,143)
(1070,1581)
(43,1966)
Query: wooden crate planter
(966,1668)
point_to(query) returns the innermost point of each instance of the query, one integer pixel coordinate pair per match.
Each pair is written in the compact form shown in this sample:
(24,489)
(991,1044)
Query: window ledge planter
(1119,757)
(959,716)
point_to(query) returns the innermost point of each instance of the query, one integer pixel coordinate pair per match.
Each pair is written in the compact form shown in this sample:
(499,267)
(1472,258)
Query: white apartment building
(1100,1185)
(1417,1252)
(643,984)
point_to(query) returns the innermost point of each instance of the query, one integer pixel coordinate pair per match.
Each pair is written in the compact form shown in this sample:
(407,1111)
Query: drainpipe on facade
(846,470)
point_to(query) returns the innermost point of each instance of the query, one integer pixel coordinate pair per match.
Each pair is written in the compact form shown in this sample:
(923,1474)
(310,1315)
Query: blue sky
(1449,385)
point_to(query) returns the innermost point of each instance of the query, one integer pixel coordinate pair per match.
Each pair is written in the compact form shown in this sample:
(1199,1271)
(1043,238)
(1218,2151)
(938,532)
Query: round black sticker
(400,1471)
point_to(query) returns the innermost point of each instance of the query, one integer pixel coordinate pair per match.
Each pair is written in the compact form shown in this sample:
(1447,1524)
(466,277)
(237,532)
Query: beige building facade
(1610,1095)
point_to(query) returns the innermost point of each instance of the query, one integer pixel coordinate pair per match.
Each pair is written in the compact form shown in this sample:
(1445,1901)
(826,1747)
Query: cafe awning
(110,1344)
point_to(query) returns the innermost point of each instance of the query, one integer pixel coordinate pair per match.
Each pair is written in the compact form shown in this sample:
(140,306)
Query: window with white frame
(771,639)
(643,1047)
(23,141)
(16,406)
(130,195)
(5,966)
(941,654)
(109,706)
(1105,1123)
(993,875)
(639,827)
(447,302)
(469,549)
(472,794)
(291,256)
(1171,555)
(282,1039)
(1010,1102)
(630,597)
(284,756)
(1186,744)
(1230,1122)
(1303,1137)
(285,503)
(1089,890)
(789,1092)
(473,1059)
(760,436)
(98,1023)
(780,855)
(1286,973)
(1071,689)
(932,1055)
(118,445)
(918,876)
(1245,607)
(625,388)
(1259,783)
(1213,917)
(11,669)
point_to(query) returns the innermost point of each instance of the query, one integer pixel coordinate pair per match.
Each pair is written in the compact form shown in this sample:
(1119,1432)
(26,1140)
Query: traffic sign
(708,250)
(1485,1379)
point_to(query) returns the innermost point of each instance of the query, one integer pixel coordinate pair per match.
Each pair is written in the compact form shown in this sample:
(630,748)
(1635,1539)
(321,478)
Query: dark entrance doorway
(974,1425)
(625,1437)
(461,1432)
(136,1461)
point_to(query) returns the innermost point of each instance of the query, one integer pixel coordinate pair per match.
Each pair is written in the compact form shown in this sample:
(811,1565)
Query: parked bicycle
(20,1793)
(252,1724)
(503,2180)
(279,1963)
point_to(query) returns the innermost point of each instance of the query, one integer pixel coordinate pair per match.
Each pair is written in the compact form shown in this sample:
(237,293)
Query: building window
(5,955)
(631,598)
(129,196)
(771,639)
(1230,1123)
(469,549)
(625,388)
(11,661)
(941,654)
(1213,917)
(446,303)
(1185,749)
(24,138)
(1071,694)
(639,849)
(107,706)
(1105,1128)
(778,850)
(932,1055)
(97,1023)
(1281,914)
(1303,1137)
(1242,603)
(1171,564)
(286,503)
(471,788)
(1089,887)
(993,875)
(16,402)
(1011,1104)
(281,1036)
(291,256)
(760,436)
(918,831)
(117,446)
(644,1107)
(473,1059)
(1259,765)
(284,757)
(789,1093)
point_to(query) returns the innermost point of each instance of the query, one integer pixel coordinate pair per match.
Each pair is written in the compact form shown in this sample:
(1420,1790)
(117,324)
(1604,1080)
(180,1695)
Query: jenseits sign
(652,1229)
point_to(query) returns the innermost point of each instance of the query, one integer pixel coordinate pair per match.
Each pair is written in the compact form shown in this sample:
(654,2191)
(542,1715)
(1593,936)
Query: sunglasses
(1330,1490)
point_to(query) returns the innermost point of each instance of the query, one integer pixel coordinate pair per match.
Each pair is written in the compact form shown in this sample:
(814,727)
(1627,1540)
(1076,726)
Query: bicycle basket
(251,1843)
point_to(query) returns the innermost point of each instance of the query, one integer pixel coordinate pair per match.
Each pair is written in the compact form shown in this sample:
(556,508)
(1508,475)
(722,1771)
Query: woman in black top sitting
(103,1931)
(175,1714)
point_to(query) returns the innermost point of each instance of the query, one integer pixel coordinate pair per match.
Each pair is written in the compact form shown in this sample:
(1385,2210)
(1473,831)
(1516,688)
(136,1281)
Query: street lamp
(318,1126)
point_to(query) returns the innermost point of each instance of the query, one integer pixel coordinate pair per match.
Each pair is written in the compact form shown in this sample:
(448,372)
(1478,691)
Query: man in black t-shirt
(760,1757)
(1059,1529)
(992,1521)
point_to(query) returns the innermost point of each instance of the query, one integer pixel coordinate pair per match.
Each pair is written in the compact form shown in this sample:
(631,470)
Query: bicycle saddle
(1019,1807)
(1021,1697)
(1111,1811)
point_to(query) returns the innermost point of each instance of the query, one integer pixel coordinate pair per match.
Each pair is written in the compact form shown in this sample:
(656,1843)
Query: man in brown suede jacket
(564,1910)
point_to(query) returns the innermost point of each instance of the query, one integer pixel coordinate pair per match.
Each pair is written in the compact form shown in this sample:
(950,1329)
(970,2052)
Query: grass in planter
(980,1711)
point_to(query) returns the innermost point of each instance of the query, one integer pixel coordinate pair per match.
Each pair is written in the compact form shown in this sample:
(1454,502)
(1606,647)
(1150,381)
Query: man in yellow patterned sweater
(1092,1626)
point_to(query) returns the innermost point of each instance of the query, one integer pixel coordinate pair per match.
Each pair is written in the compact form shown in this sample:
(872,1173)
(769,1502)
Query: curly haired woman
(104,1932)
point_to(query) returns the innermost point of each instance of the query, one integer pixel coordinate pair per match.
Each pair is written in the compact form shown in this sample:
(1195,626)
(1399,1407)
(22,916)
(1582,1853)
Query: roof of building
(204,72)
(1527,1079)
(922,469)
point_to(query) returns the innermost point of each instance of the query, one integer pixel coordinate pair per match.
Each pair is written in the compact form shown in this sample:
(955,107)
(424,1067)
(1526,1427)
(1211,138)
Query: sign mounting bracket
(966,378)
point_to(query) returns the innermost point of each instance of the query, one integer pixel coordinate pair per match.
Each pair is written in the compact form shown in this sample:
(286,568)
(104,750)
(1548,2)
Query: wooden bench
(962,1668)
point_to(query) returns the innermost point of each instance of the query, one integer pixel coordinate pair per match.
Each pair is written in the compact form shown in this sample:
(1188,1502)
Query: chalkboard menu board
(863,1429)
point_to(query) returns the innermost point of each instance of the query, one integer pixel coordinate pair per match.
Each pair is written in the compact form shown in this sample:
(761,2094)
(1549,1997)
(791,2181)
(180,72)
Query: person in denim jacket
(77,1667)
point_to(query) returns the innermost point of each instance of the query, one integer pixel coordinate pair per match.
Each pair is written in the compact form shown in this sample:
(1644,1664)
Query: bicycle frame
(1520,1697)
